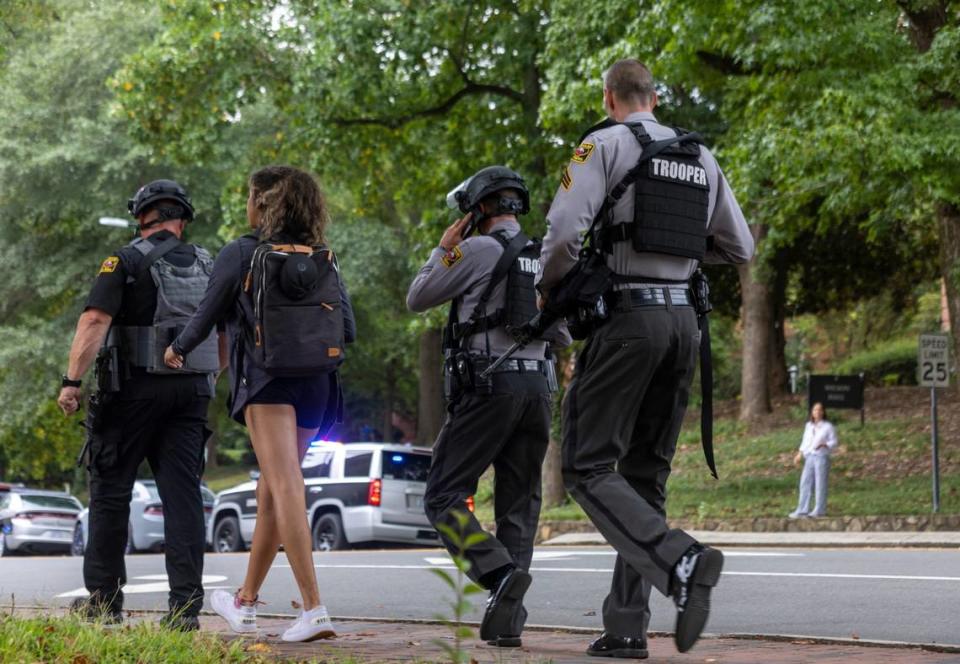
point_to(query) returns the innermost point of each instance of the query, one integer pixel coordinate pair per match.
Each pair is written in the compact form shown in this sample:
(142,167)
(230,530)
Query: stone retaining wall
(927,522)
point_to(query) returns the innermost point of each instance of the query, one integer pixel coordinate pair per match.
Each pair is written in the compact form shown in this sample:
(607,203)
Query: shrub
(891,362)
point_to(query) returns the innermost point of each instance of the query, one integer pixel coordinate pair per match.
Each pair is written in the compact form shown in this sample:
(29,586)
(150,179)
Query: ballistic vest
(671,199)
(518,264)
(179,291)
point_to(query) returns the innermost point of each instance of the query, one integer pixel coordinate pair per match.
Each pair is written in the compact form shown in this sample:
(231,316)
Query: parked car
(145,528)
(356,492)
(33,520)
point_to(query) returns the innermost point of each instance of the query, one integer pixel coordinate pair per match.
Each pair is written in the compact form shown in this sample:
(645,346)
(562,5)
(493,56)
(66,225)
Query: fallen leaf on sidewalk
(273,635)
(295,604)
(413,643)
(855,636)
(590,613)
(473,661)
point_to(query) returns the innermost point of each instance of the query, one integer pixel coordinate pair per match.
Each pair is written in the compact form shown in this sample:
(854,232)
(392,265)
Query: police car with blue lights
(356,493)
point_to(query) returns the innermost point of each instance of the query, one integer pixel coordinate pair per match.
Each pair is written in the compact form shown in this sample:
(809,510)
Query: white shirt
(815,434)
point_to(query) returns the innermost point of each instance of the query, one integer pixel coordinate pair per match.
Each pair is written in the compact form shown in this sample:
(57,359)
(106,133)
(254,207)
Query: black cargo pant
(161,419)
(621,418)
(509,429)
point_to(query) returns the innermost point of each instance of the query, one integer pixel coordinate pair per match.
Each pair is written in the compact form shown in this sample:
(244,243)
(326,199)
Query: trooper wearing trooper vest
(623,409)
(142,296)
(502,419)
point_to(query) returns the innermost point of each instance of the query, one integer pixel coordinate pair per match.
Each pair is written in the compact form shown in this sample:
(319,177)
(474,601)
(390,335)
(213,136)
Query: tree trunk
(430,397)
(212,443)
(554,493)
(948,220)
(757,327)
(777,376)
(389,399)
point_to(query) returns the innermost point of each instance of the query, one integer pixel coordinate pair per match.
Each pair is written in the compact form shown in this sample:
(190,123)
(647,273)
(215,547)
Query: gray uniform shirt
(598,165)
(462,275)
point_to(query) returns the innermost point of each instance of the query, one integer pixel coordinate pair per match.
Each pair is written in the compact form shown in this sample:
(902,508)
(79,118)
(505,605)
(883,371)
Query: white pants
(813,481)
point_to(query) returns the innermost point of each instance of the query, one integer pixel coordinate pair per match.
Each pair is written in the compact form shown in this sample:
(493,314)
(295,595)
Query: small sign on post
(836,392)
(933,371)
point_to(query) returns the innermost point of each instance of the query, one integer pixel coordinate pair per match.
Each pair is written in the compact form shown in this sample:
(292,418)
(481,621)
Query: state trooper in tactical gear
(142,296)
(503,418)
(653,203)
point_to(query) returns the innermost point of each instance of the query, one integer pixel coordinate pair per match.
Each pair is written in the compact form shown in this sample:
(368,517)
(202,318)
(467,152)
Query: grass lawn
(224,477)
(880,469)
(66,639)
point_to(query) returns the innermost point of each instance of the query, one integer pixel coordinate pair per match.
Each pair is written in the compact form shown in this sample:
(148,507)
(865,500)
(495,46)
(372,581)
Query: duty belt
(522,366)
(632,298)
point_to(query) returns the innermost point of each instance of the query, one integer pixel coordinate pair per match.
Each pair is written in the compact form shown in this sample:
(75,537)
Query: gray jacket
(462,275)
(609,153)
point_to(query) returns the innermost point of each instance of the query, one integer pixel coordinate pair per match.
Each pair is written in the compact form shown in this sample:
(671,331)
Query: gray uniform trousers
(510,430)
(622,416)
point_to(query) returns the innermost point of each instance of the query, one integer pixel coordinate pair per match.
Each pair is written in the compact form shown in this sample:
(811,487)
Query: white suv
(356,492)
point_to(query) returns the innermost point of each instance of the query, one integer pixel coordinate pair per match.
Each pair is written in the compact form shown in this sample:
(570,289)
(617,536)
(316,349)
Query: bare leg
(276,441)
(266,536)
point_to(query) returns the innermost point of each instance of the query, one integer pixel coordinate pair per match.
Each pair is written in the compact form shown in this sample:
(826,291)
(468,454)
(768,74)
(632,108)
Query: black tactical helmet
(160,190)
(485,182)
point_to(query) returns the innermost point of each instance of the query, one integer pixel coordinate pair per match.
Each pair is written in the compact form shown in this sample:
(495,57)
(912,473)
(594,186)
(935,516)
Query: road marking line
(566,555)
(602,570)
(903,577)
(159,585)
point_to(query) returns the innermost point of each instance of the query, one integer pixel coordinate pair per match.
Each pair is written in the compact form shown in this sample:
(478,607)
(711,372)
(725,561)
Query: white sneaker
(242,618)
(310,626)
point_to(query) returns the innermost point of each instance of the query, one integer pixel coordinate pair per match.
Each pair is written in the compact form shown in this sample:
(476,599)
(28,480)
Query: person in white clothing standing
(819,441)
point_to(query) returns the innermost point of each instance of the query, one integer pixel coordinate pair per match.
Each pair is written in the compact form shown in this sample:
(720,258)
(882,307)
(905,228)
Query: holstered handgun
(700,288)
(107,366)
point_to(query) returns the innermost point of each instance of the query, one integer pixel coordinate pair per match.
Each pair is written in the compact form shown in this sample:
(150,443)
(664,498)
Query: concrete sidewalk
(375,641)
(923,539)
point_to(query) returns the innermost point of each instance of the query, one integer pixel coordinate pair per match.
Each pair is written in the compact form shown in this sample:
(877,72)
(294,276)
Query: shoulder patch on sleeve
(582,152)
(109,265)
(452,257)
(566,180)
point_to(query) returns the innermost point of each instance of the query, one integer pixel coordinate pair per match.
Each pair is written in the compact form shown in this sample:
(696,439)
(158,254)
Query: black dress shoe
(504,600)
(180,622)
(91,610)
(694,575)
(506,641)
(610,645)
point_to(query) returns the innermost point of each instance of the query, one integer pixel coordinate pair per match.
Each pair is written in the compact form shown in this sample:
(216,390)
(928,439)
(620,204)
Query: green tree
(65,159)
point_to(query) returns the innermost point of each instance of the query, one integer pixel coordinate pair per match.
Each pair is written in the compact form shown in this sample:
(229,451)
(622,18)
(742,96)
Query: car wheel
(226,535)
(78,546)
(328,533)
(130,548)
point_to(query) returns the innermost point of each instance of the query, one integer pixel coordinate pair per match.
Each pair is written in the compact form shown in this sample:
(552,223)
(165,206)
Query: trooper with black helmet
(651,203)
(502,419)
(141,297)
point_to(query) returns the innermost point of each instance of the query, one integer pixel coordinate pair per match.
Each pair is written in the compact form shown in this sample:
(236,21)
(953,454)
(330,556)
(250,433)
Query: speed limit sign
(933,364)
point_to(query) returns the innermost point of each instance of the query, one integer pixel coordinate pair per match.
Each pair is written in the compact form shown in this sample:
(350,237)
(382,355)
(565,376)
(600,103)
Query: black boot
(504,600)
(610,645)
(94,609)
(180,622)
(694,575)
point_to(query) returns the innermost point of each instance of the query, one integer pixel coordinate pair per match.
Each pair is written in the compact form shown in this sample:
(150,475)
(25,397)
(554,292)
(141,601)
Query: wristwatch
(66,382)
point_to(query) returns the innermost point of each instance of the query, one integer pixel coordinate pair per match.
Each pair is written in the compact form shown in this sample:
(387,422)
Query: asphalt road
(904,595)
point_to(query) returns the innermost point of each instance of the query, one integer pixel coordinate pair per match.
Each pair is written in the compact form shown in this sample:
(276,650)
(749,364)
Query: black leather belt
(659,296)
(522,366)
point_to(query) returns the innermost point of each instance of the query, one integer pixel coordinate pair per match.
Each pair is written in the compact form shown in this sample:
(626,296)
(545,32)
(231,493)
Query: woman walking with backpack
(288,316)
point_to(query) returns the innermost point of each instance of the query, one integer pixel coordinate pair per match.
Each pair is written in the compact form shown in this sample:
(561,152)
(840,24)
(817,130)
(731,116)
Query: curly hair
(289,202)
